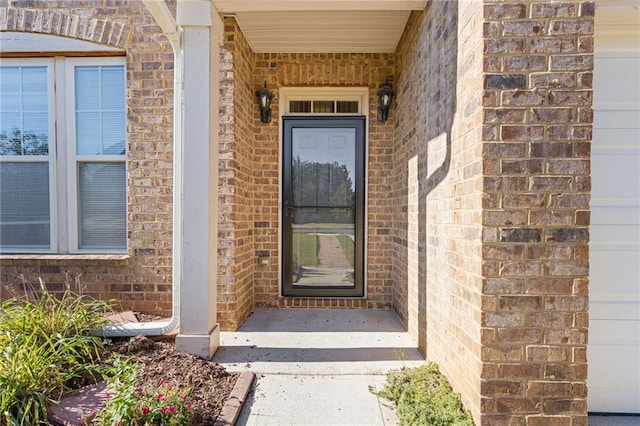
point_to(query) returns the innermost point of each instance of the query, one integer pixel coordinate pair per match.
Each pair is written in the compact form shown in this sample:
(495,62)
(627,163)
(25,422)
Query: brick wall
(482,246)
(537,129)
(249,190)
(143,280)
(324,69)
(238,108)
(491,259)
(437,189)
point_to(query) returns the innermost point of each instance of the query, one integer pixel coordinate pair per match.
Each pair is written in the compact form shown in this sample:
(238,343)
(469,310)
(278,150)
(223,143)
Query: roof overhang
(312,26)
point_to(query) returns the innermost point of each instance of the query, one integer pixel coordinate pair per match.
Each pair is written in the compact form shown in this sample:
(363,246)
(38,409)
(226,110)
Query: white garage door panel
(625,335)
(611,213)
(623,320)
(624,82)
(613,352)
(616,172)
(610,389)
(613,281)
(609,120)
(614,234)
(611,139)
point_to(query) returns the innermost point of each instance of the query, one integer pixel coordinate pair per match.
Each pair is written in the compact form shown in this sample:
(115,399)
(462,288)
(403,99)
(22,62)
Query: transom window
(62,155)
(324,107)
(324,100)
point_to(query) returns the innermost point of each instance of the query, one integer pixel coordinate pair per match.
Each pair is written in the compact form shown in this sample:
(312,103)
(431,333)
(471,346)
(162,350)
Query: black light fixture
(385,95)
(264,100)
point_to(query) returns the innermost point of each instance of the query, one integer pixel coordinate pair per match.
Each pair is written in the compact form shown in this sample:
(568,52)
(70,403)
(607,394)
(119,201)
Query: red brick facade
(142,279)
(478,187)
(438,190)
(250,175)
(339,69)
(236,201)
(537,130)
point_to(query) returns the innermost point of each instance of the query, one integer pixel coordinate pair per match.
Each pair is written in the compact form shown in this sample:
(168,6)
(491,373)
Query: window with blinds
(25,157)
(100,127)
(80,160)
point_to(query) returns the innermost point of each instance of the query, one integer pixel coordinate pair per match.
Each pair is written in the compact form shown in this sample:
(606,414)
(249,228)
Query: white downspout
(167,23)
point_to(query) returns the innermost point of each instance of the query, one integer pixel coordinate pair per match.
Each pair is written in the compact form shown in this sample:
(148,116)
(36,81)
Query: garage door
(614,328)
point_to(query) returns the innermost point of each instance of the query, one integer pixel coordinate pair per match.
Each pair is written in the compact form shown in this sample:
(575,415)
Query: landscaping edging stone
(79,407)
(231,410)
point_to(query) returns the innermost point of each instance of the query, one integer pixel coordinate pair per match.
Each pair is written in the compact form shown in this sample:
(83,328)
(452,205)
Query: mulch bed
(210,382)
(159,361)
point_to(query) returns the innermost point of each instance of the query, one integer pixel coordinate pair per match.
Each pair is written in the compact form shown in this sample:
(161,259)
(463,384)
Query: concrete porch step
(319,341)
(318,366)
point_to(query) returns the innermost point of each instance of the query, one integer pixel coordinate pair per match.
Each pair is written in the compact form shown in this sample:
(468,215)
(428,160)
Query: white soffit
(234,6)
(315,26)
(323,31)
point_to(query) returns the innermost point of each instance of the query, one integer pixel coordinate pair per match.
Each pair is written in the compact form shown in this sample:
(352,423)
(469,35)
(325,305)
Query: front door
(323,206)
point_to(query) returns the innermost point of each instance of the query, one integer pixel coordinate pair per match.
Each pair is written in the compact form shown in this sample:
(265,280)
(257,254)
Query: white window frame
(73,160)
(63,163)
(50,158)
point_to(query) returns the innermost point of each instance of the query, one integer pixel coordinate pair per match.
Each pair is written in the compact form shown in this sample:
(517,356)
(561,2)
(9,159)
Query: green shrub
(46,344)
(424,397)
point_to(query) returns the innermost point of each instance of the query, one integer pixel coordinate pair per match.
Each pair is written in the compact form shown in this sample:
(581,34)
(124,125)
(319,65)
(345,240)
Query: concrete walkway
(333,266)
(331,254)
(316,366)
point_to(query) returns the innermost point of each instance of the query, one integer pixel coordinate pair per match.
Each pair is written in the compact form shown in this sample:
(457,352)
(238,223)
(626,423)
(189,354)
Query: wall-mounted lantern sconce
(264,100)
(385,95)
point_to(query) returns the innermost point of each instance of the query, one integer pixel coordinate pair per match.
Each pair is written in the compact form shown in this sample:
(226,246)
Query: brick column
(537,131)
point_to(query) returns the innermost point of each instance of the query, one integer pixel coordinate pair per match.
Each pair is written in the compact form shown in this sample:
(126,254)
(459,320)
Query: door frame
(351,122)
(321,93)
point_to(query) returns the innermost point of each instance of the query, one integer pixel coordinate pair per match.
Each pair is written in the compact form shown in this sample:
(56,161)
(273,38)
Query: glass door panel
(323,207)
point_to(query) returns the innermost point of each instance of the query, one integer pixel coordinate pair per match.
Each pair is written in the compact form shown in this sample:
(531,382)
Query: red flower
(189,406)
(145,410)
(137,389)
(169,409)
(161,397)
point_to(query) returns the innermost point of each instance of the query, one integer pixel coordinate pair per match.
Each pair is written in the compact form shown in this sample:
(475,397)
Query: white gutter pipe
(167,23)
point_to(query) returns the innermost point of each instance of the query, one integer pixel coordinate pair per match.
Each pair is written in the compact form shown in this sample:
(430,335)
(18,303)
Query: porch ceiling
(312,26)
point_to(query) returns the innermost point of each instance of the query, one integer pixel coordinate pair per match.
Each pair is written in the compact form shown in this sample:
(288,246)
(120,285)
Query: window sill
(15,259)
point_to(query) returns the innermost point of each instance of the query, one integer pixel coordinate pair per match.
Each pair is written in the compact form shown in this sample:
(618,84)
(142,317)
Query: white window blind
(102,212)
(100,114)
(24,205)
